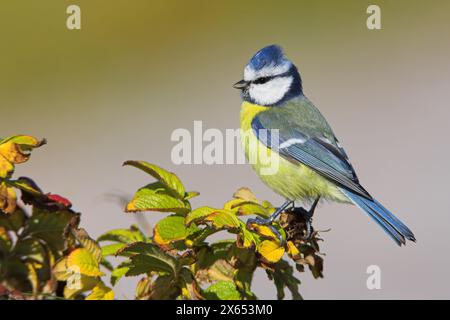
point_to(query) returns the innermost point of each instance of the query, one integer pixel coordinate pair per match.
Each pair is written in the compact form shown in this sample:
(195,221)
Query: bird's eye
(261,80)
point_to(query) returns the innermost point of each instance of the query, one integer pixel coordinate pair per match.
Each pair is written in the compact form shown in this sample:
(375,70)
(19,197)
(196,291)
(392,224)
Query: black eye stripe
(268,78)
(262,80)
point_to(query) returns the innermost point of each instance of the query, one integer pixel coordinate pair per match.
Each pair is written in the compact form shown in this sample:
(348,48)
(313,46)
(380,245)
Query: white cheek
(270,92)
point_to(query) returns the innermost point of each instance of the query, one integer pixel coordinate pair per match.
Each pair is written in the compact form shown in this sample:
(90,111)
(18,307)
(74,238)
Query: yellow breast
(293,181)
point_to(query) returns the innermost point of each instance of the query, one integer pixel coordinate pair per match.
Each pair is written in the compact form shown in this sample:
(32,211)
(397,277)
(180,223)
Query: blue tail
(383,217)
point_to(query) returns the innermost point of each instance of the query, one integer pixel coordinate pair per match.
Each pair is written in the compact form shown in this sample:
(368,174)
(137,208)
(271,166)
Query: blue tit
(312,165)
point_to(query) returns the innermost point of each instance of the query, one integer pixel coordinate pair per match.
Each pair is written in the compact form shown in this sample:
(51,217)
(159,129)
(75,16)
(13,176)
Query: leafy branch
(44,254)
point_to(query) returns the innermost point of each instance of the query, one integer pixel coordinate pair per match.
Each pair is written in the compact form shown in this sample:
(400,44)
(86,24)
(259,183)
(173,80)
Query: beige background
(139,69)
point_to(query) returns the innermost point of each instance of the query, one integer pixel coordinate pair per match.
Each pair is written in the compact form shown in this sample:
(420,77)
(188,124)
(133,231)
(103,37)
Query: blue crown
(271,55)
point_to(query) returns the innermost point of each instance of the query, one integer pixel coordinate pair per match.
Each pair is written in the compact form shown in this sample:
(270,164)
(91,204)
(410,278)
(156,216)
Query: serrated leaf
(252,209)
(123,235)
(222,290)
(248,238)
(199,214)
(83,260)
(223,219)
(170,229)
(270,251)
(101,292)
(155,198)
(169,179)
(148,257)
(88,243)
(49,226)
(264,231)
(112,249)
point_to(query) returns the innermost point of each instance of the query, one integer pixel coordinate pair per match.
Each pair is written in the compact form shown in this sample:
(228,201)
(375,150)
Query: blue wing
(305,137)
(297,145)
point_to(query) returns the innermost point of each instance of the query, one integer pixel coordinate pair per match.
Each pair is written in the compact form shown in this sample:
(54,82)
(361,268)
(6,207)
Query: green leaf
(248,238)
(88,243)
(168,179)
(119,272)
(81,260)
(30,248)
(24,185)
(154,197)
(148,257)
(111,249)
(189,286)
(224,219)
(247,208)
(170,229)
(199,214)
(101,292)
(123,235)
(191,194)
(222,290)
(13,221)
(213,262)
(49,226)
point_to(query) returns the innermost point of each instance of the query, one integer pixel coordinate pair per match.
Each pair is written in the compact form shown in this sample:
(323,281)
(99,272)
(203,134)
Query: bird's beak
(241,85)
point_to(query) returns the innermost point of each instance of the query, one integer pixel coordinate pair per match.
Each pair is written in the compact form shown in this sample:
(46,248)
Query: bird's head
(270,78)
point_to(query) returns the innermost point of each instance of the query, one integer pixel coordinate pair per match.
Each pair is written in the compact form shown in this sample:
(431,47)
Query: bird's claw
(268,223)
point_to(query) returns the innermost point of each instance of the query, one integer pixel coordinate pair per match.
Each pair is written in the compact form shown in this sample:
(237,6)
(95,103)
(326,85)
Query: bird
(312,164)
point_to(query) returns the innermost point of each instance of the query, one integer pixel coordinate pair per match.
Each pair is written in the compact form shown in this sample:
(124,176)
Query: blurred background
(116,89)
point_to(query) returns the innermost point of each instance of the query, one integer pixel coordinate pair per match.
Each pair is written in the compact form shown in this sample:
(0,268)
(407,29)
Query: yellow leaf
(245,194)
(263,230)
(8,198)
(271,251)
(223,219)
(81,259)
(233,203)
(13,151)
(78,283)
(101,292)
(6,167)
(292,250)
(60,270)
(33,277)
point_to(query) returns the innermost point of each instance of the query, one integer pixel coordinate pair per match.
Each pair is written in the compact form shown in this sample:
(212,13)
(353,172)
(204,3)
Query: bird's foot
(268,223)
